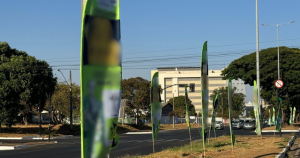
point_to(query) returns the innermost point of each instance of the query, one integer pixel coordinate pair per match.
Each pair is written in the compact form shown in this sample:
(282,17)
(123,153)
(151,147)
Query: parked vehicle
(242,122)
(219,125)
(236,124)
(249,124)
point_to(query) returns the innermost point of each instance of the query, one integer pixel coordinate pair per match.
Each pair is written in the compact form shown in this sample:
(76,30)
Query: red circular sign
(278,83)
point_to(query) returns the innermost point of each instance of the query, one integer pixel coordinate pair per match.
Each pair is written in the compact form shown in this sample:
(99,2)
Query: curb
(144,132)
(12,147)
(19,138)
(281,131)
(69,136)
(286,149)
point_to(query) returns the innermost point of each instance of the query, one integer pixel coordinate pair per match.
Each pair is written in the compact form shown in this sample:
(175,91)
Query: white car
(237,124)
(219,125)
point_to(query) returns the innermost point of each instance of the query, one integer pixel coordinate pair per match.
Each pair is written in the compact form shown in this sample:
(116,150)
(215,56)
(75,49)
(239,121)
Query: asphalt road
(131,144)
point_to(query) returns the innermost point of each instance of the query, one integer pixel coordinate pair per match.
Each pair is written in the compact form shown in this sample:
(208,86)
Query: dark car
(249,124)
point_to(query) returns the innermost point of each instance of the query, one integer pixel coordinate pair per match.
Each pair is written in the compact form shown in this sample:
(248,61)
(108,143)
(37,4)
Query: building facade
(187,75)
(240,86)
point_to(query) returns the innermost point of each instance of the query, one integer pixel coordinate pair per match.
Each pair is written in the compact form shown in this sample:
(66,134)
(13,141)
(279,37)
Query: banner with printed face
(187,115)
(294,112)
(100,74)
(279,116)
(230,110)
(213,118)
(273,117)
(156,107)
(256,109)
(204,92)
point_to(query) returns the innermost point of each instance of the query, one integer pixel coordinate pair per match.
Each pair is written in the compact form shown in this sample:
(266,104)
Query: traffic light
(192,87)
(6,74)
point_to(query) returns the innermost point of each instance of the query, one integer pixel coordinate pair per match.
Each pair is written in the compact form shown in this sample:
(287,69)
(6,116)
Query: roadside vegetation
(245,147)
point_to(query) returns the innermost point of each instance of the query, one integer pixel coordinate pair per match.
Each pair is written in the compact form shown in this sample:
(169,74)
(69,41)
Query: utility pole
(257,57)
(71,108)
(49,111)
(173,112)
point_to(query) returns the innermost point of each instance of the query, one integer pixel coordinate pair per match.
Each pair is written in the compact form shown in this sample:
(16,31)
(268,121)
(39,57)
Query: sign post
(279,84)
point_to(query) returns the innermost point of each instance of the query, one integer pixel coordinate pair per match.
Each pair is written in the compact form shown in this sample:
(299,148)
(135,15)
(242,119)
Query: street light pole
(277,25)
(257,57)
(278,50)
(70,86)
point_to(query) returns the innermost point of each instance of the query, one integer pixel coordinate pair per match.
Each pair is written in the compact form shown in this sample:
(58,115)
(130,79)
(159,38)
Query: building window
(237,90)
(241,89)
(237,83)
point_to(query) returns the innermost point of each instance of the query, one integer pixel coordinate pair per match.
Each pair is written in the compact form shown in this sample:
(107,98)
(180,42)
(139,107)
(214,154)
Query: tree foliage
(137,92)
(238,102)
(245,69)
(179,106)
(31,82)
(60,102)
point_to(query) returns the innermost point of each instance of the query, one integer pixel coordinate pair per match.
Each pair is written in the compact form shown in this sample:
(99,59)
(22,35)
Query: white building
(239,84)
(187,75)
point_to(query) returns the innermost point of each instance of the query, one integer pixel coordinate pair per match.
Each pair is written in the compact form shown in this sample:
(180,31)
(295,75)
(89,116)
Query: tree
(238,102)
(31,81)
(60,102)
(137,92)
(245,69)
(179,107)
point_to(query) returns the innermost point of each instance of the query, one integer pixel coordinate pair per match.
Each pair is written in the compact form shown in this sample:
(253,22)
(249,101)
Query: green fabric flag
(156,107)
(100,76)
(279,117)
(213,118)
(187,116)
(291,116)
(256,107)
(294,112)
(273,117)
(269,118)
(204,92)
(230,110)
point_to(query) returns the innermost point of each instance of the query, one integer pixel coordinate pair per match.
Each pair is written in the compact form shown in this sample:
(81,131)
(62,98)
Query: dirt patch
(33,129)
(245,147)
(286,127)
(148,127)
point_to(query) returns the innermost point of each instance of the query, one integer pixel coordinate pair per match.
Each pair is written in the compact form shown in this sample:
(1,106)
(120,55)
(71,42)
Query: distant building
(240,86)
(249,105)
(169,76)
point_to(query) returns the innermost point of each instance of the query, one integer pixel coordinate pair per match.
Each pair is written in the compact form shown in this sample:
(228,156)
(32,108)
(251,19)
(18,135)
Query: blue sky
(50,30)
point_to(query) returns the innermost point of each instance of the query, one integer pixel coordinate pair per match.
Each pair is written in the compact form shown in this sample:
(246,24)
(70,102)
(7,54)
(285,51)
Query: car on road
(242,122)
(249,124)
(236,124)
(219,125)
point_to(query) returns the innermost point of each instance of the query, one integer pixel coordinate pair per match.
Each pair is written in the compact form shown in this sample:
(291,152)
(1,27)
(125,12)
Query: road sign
(278,83)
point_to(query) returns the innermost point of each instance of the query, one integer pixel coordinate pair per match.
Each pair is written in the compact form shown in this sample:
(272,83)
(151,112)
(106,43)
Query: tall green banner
(256,111)
(156,107)
(273,117)
(204,92)
(269,118)
(187,115)
(294,112)
(291,116)
(279,116)
(230,110)
(100,74)
(213,118)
